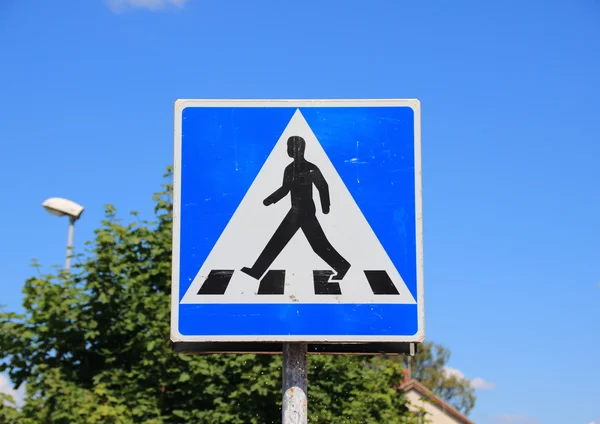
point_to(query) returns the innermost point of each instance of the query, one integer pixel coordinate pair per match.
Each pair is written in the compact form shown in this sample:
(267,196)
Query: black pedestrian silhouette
(298,179)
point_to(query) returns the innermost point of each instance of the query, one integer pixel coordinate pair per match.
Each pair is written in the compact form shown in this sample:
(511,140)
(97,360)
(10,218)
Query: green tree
(8,410)
(93,347)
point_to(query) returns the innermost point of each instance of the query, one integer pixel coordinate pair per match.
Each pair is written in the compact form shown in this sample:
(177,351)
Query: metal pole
(295,382)
(70,244)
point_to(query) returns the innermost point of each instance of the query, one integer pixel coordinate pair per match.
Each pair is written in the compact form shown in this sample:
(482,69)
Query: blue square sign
(297,221)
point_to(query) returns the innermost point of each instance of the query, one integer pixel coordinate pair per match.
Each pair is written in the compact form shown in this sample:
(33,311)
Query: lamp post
(63,207)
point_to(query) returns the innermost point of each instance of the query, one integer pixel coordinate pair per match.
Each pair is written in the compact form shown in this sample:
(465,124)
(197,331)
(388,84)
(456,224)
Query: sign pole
(294,384)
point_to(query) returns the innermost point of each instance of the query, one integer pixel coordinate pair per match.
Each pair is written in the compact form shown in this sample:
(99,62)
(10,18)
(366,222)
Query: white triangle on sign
(253,224)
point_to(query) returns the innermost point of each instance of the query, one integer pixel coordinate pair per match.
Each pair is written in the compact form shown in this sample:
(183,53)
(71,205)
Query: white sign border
(181,104)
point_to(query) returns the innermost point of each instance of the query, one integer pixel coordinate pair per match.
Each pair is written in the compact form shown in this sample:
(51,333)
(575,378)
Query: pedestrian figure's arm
(282,191)
(323,188)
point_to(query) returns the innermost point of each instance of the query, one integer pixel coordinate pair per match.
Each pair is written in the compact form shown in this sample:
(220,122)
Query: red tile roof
(432,397)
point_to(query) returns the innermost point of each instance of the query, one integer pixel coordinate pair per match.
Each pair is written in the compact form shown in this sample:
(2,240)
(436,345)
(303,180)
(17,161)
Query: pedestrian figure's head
(296,145)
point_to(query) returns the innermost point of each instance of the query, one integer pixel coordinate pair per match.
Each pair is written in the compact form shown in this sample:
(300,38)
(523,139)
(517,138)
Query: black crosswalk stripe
(322,284)
(381,283)
(273,283)
(216,282)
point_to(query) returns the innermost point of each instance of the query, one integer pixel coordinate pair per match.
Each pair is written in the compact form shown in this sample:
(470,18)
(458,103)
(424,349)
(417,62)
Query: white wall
(434,414)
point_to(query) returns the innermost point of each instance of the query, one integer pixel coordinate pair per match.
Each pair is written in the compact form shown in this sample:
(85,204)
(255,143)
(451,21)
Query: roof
(432,397)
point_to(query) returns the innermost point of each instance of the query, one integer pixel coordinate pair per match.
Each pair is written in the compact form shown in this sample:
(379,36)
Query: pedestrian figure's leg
(280,239)
(322,247)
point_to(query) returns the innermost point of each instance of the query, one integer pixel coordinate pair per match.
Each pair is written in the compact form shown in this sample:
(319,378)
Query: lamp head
(61,207)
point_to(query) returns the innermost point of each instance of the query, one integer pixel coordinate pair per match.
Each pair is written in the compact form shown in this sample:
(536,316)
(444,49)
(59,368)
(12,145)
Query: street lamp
(63,207)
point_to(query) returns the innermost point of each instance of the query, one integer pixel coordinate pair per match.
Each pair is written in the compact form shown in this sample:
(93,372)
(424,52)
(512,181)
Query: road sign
(297,220)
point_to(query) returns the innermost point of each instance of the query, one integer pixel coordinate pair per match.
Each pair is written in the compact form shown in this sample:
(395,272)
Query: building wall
(435,415)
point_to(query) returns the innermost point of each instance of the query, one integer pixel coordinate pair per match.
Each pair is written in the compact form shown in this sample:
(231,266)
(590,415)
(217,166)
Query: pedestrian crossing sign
(297,220)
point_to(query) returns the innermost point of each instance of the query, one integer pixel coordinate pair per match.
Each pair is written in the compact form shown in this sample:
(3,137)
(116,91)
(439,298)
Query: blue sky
(510,103)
